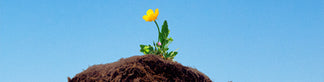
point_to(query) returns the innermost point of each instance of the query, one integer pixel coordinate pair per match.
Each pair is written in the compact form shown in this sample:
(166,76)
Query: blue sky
(238,40)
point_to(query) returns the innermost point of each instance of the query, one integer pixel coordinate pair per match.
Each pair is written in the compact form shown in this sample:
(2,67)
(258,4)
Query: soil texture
(145,68)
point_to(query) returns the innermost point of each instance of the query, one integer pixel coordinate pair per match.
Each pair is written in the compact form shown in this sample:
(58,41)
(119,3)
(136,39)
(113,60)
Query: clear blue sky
(239,40)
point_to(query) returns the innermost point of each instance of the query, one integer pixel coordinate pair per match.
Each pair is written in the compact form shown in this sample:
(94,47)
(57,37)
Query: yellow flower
(150,15)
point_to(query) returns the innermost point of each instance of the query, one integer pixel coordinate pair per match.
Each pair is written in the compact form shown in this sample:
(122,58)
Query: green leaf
(165,30)
(170,39)
(174,54)
(166,49)
(146,49)
(154,43)
(150,48)
(142,46)
(161,37)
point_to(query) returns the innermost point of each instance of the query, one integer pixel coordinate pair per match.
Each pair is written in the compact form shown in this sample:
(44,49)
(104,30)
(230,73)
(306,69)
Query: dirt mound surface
(145,68)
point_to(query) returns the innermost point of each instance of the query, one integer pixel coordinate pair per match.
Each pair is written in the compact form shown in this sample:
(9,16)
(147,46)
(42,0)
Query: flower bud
(159,44)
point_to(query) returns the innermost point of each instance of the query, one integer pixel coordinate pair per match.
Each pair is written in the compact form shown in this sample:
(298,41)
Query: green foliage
(161,50)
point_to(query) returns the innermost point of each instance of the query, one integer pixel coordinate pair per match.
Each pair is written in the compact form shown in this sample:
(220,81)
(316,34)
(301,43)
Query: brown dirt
(145,68)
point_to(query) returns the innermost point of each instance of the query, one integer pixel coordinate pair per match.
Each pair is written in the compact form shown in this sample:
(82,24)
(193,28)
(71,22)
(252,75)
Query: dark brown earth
(145,68)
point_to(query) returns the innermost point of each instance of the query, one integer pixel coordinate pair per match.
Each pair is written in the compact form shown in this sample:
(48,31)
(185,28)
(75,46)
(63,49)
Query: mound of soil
(145,68)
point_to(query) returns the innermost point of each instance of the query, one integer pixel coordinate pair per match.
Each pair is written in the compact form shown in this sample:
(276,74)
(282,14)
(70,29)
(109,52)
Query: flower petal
(149,12)
(156,12)
(145,17)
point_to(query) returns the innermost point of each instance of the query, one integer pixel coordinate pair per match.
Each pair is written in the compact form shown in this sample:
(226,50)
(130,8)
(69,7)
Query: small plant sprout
(159,48)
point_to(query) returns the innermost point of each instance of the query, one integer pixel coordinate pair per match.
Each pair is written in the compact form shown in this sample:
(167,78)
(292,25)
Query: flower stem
(157,26)
(158,29)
